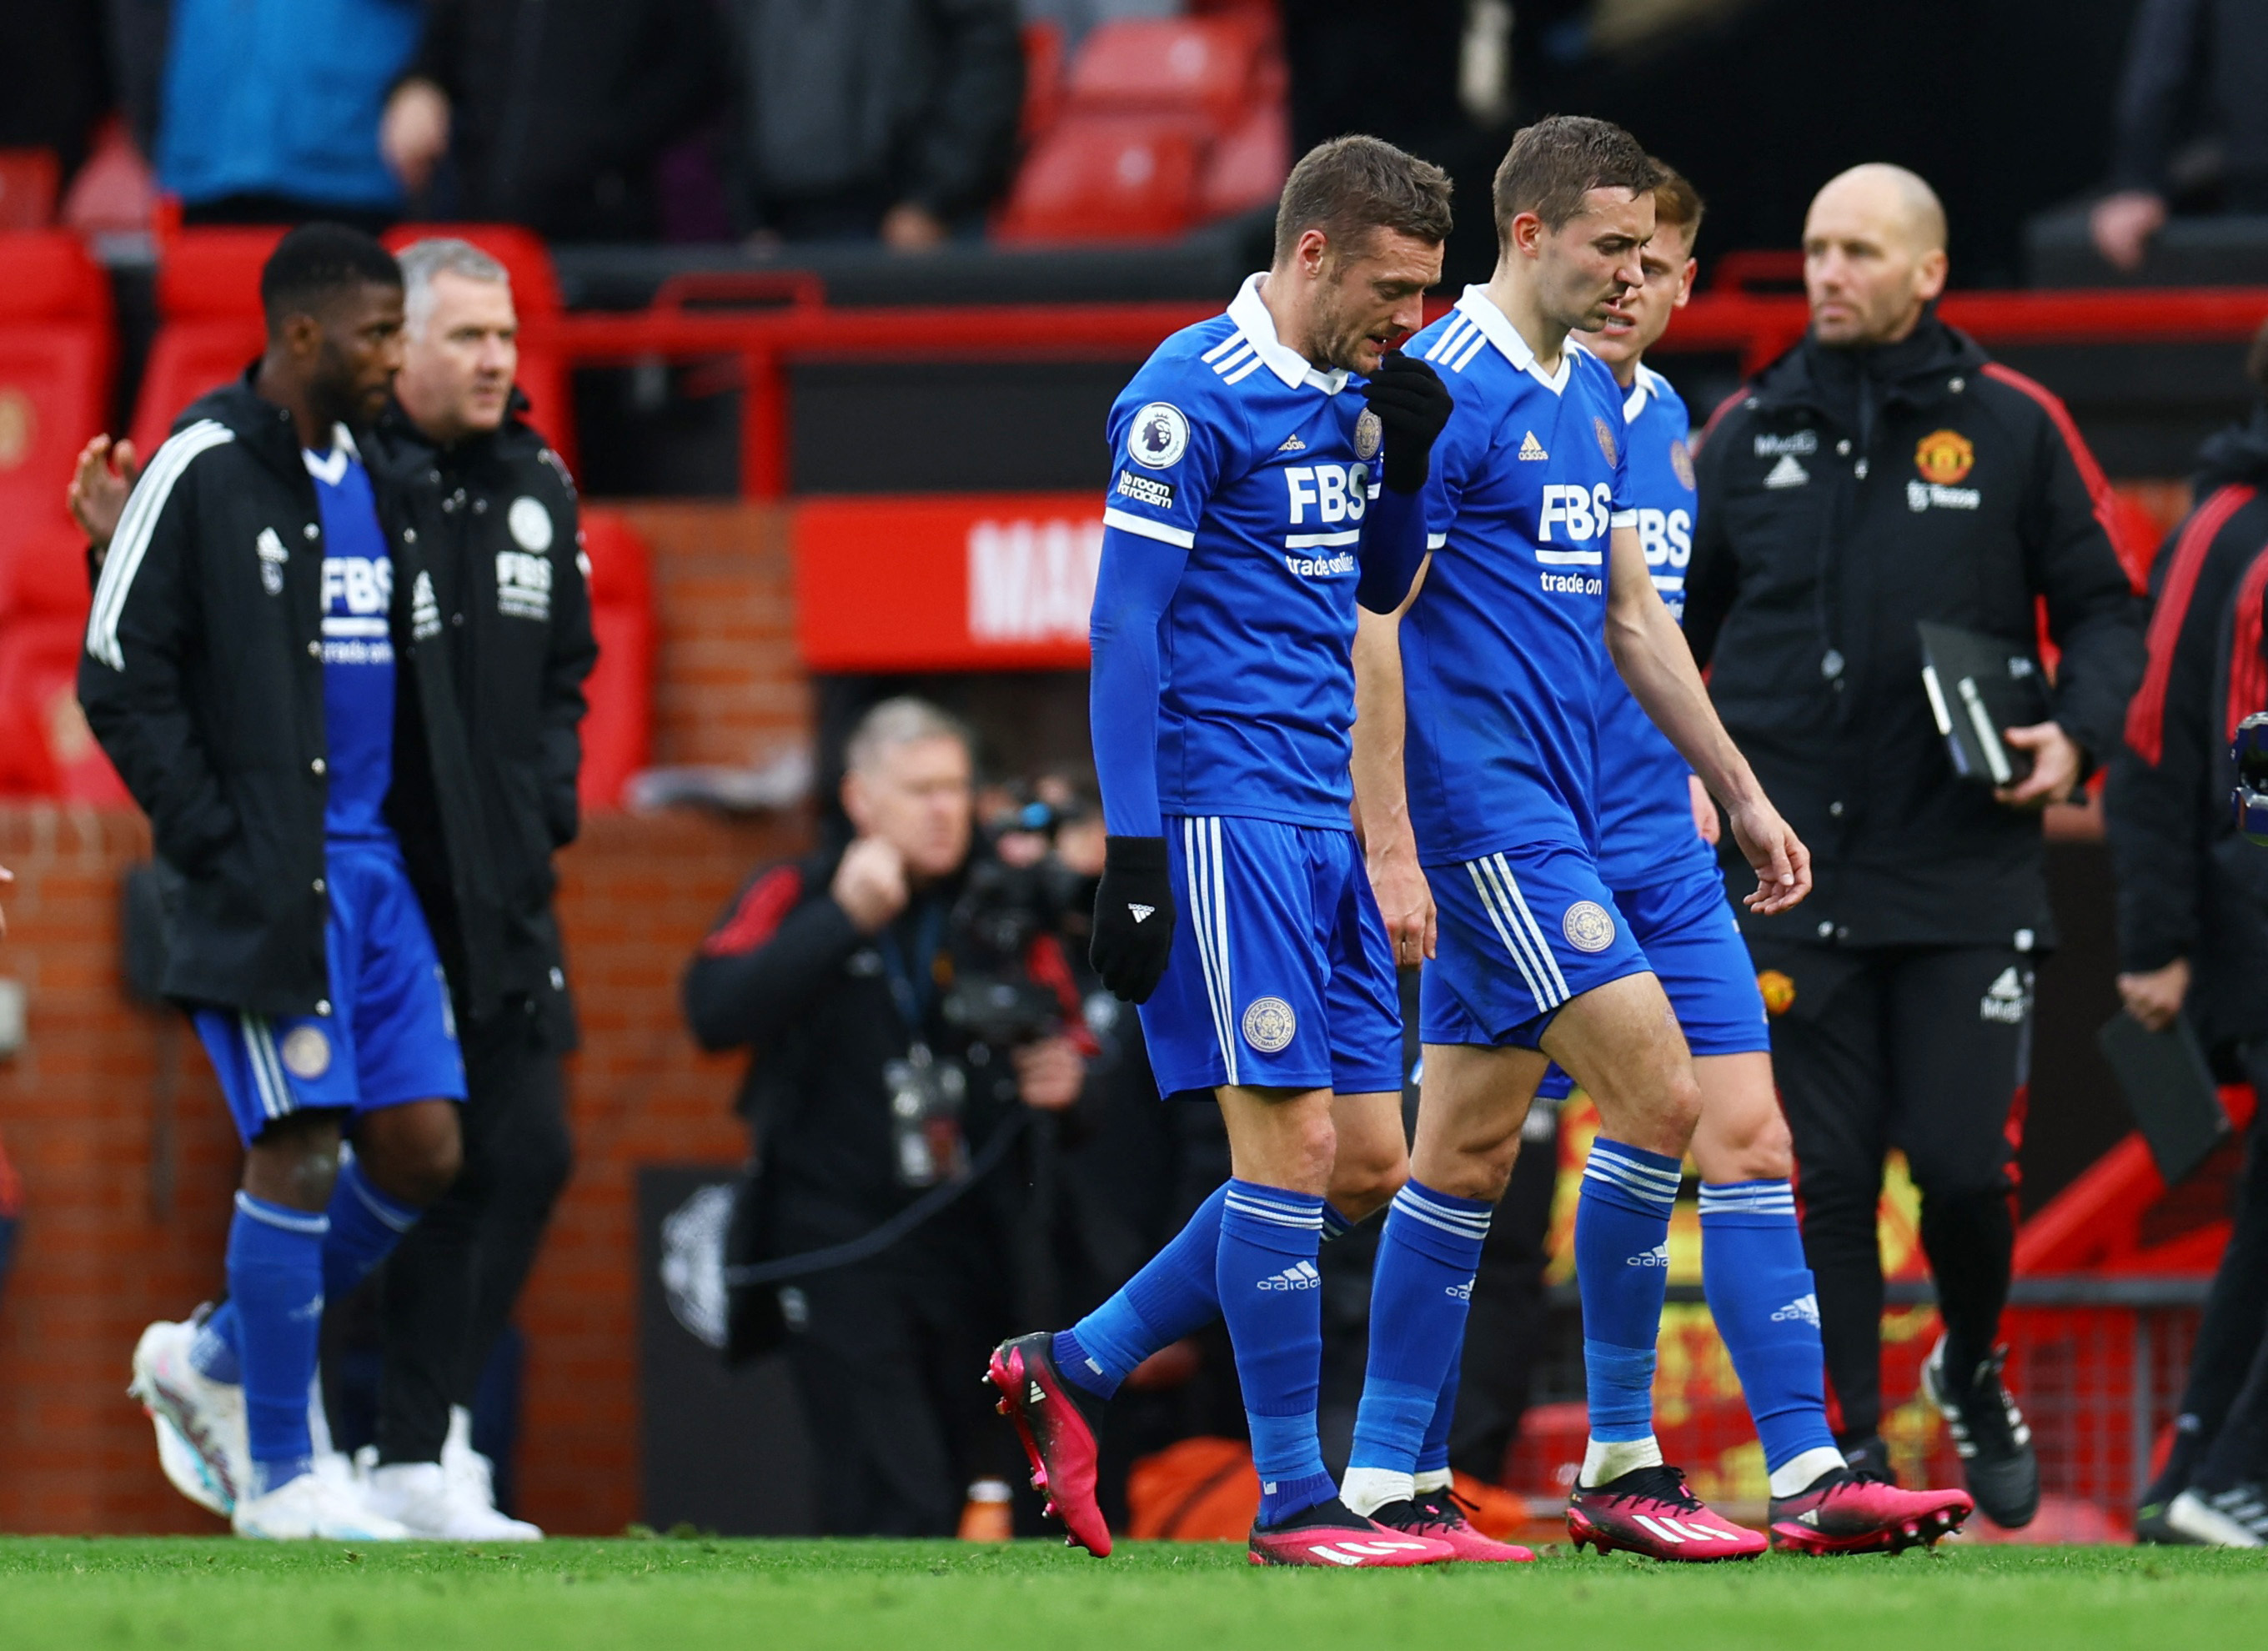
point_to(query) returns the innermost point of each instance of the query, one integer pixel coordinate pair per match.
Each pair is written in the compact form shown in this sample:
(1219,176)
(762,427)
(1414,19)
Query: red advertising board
(964,581)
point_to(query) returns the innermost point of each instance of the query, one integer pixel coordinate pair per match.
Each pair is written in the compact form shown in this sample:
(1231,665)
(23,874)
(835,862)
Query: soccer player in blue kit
(1656,828)
(241,671)
(1476,761)
(1261,491)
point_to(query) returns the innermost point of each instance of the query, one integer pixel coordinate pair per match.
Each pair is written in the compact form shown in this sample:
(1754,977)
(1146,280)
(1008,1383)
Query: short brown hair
(1552,164)
(1352,187)
(1677,203)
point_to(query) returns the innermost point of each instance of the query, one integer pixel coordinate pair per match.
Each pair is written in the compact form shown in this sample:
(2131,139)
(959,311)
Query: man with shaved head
(1881,475)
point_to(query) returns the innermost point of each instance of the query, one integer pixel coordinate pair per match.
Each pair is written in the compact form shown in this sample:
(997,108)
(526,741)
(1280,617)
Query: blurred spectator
(2196,69)
(266,111)
(859,979)
(893,119)
(55,77)
(553,115)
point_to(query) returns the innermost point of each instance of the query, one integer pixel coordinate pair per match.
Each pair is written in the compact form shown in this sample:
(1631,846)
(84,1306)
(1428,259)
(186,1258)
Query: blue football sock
(365,1225)
(214,1352)
(276,1284)
(1174,1295)
(1272,1297)
(1762,1297)
(1420,1292)
(1622,1264)
(1433,1455)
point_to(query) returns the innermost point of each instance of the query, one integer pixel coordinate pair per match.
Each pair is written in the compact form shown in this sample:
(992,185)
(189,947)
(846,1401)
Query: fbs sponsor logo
(524,582)
(1786,473)
(1658,1256)
(2006,999)
(1300,1275)
(1803,1310)
(1145,490)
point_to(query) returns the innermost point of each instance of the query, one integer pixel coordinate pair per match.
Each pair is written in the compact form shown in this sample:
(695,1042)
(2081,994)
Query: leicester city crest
(306,1052)
(1268,1024)
(1681,462)
(1606,435)
(1587,926)
(1367,434)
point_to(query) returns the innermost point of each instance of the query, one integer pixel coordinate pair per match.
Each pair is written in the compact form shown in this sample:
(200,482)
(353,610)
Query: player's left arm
(570,654)
(1650,651)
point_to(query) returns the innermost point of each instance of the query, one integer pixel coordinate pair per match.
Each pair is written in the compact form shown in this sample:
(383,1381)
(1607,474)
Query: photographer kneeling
(902,1000)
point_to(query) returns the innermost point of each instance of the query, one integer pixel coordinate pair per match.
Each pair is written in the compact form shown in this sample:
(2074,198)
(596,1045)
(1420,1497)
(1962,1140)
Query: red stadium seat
(46,748)
(1247,166)
(1043,79)
(29,178)
(1199,66)
(618,733)
(1107,178)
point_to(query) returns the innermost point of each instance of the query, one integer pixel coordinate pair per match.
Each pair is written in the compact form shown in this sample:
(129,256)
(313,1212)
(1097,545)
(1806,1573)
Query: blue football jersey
(357,646)
(1502,650)
(1232,445)
(1645,820)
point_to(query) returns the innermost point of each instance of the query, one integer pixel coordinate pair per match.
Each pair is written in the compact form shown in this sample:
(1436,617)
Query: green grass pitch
(92,1594)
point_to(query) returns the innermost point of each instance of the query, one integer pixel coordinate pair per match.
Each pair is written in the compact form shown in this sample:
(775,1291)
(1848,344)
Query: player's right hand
(1134,918)
(1782,864)
(1405,900)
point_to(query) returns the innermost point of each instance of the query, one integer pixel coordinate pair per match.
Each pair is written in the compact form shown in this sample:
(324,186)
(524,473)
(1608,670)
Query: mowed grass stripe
(688,1595)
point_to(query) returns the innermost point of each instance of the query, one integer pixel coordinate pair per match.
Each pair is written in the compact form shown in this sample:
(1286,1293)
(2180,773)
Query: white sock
(1602,1460)
(1433,1481)
(1798,1474)
(1366,1490)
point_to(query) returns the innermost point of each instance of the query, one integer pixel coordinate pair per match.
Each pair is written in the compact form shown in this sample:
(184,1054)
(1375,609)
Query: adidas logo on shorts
(1300,1275)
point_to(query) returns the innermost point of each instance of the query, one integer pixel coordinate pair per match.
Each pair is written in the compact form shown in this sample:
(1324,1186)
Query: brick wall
(128,1158)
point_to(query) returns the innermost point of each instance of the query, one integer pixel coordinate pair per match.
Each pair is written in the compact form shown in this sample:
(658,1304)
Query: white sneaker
(204,1417)
(315,1505)
(429,1501)
(2217,1523)
(462,1460)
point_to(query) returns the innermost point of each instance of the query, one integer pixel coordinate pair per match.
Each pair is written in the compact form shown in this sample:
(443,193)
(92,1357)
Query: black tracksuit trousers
(1926,1050)
(449,1287)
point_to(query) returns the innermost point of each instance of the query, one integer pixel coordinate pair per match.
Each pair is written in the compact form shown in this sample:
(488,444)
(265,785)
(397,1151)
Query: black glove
(1414,406)
(1133,918)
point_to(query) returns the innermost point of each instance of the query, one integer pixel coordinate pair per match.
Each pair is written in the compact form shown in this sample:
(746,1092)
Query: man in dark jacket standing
(1882,474)
(259,607)
(2193,943)
(496,516)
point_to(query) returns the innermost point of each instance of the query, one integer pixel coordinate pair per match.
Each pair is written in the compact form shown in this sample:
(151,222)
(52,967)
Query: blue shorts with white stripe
(1281,975)
(390,1036)
(1521,932)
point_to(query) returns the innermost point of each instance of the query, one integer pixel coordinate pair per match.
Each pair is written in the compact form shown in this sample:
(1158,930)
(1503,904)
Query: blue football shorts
(1686,927)
(391,1036)
(1281,975)
(1521,933)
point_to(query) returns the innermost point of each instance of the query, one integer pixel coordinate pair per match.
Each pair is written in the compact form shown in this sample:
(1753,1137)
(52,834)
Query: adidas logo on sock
(1140,913)
(1462,1291)
(1300,1275)
(1531,449)
(1658,1256)
(1804,1309)
(1292,444)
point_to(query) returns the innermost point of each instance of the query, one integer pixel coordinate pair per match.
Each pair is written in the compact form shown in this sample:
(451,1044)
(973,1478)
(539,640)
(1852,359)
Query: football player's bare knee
(1371,1159)
(411,1152)
(1622,1042)
(295,1162)
(1471,1110)
(1742,1134)
(1281,1137)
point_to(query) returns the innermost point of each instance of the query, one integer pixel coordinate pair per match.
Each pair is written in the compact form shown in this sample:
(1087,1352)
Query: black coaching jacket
(2189,885)
(202,678)
(495,519)
(1845,496)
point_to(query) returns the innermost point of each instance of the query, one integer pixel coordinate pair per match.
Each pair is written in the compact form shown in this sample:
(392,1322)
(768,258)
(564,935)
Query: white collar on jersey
(1497,328)
(330,468)
(1252,319)
(1649,383)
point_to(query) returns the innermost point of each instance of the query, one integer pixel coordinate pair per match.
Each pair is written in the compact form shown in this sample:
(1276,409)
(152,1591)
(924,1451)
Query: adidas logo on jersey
(2006,1000)
(1140,913)
(1292,444)
(1787,473)
(1658,1256)
(1532,449)
(1300,1275)
(1804,1310)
